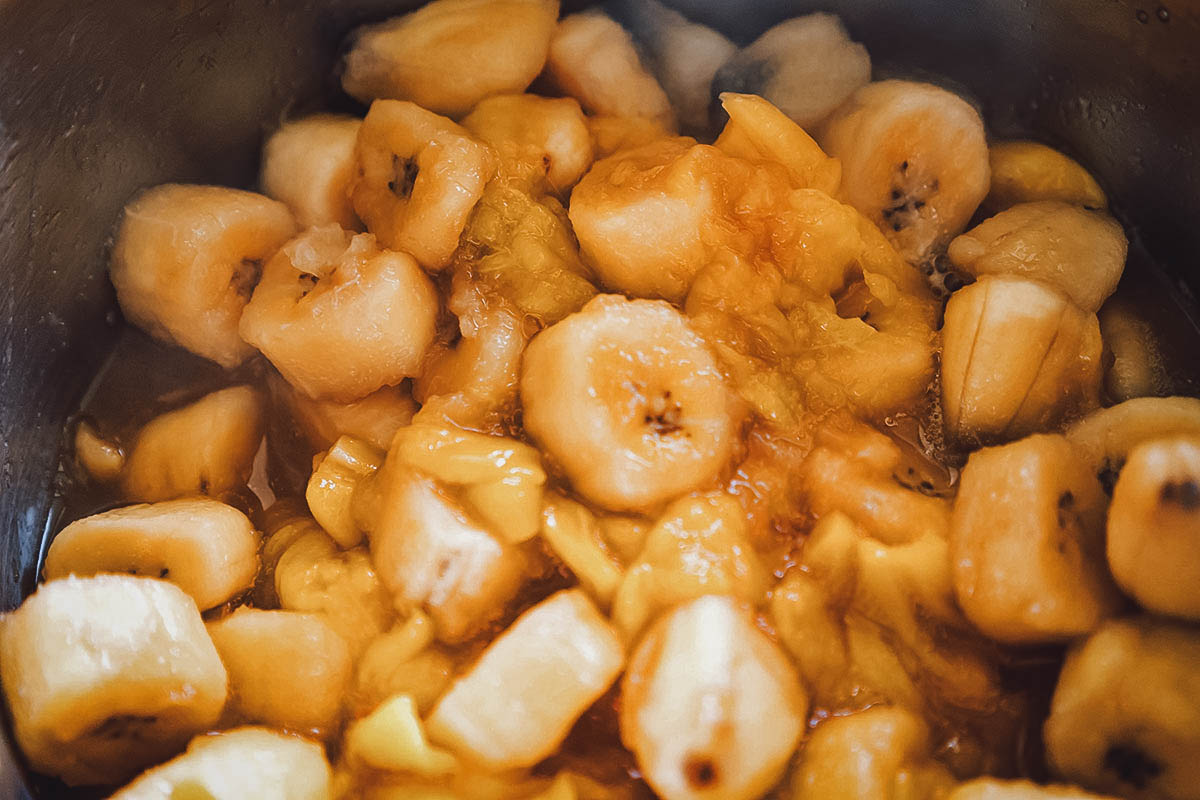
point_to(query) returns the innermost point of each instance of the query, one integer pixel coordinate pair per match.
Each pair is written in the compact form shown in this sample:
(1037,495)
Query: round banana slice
(202,546)
(710,706)
(286,670)
(629,401)
(1125,718)
(308,164)
(450,54)
(595,61)
(340,318)
(1107,436)
(914,161)
(1079,252)
(418,177)
(1023,172)
(1154,526)
(238,764)
(548,131)
(806,66)
(186,259)
(1026,543)
(106,675)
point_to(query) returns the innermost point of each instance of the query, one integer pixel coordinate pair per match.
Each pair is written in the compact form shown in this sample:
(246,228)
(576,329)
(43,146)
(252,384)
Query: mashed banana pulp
(553,455)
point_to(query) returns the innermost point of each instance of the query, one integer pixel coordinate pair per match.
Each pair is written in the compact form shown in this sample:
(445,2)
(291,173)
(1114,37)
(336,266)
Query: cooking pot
(100,98)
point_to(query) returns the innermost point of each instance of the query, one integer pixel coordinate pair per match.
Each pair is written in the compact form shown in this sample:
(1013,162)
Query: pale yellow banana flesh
(202,546)
(106,675)
(1025,172)
(335,479)
(758,130)
(433,56)
(308,165)
(1106,437)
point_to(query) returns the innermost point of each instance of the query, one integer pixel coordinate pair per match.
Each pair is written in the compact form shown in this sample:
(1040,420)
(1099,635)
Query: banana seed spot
(700,772)
(1132,765)
(404,172)
(1183,493)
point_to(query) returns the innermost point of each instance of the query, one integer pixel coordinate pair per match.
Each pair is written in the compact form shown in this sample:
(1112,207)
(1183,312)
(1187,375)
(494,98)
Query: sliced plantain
(806,66)
(186,259)
(630,403)
(418,175)
(286,669)
(450,54)
(106,675)
(1080,253)
(1154,526)
(202,546)
(237,764)
(1125,718)
(595,61)
(758,130)
(206,448)
(308,164)
(552,663)
(550,133)
(914,162)
(1106,437)
(339,317)
(1017,357)
(1026,543)
(1025,172)
(710,706)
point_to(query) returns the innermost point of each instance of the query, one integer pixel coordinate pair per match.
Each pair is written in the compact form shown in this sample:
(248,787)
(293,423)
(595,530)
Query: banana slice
(710,706)
(433,556)
(1027,543)
(186,259)
(682,54)
(914,161)
(699,546)
(374,419)
(998,383)
(1106,437)
(237,764)
(573,535)
(286,670)
(418,177)
(878,754)
(100,458)
(629,401)
(106,675)
(450,54)
(554,662)
(613,134)
(202,546)
(551,133)
(993,789)
(1154,526)
(1125,718)
(806,66)
(337,476)
(339,317)
(402,662)
(392,738)
(308,164)
(1025,172)
(1079,252)
(1137,368)
(594,60)
(207,448)
(758,130)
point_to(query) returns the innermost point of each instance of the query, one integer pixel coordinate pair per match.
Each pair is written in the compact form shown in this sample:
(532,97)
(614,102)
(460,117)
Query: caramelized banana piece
(758,130)
(202,546)
(878,754)
(450,54)
(373,419)
(186,259)
(337,476)
(1154,526)
(100,458)
(238,764)
(524,128)
(339,317)
(1025,172)
(573,535)
(207,448)
(1027,543)
(1125,718)
(629,401)
(1137,368)
(1106,437)
(402,662)
(1079,252)
(556,660)
(418,177)
(994,789)
(710,706)
(106,675)
(286,670)
(613,134)
(594,60)
(308,164)
(392,738)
